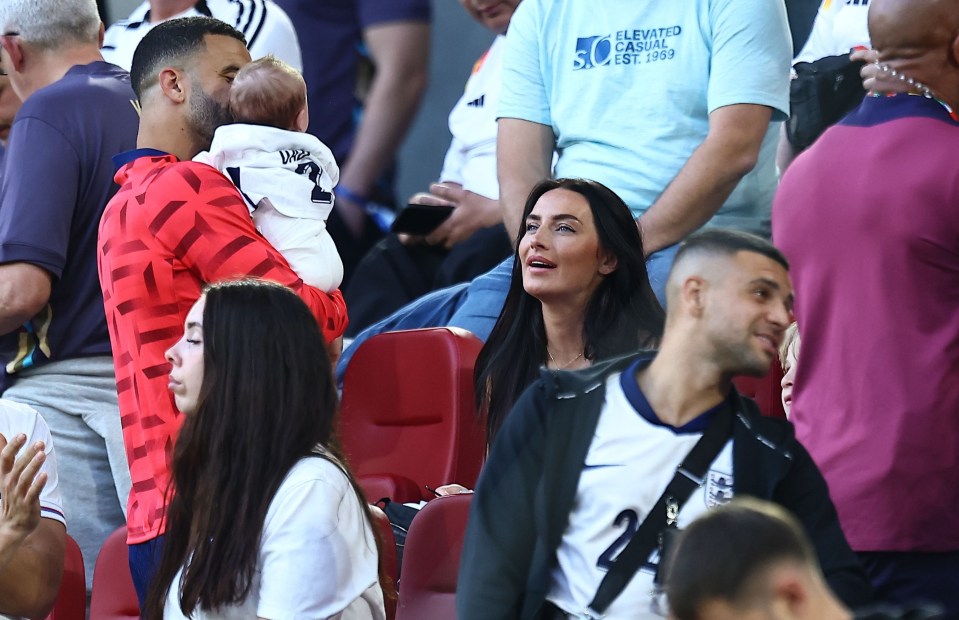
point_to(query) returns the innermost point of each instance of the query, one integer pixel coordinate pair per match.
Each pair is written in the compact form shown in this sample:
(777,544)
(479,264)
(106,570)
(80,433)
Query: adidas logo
(477,103)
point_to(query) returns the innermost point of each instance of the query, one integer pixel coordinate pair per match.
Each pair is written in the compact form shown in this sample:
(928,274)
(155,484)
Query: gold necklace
(567,364)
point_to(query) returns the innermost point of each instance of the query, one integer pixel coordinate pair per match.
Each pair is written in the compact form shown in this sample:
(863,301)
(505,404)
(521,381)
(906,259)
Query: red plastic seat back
(766,391)
(431,559)
(388,559)
(71,601)
(114,597)
(409,414)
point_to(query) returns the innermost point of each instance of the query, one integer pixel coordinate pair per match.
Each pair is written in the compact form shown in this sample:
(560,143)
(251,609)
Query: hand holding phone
(420,219)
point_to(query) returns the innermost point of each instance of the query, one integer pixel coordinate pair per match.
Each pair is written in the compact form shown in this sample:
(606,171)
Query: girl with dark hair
(579,292)
(266,520)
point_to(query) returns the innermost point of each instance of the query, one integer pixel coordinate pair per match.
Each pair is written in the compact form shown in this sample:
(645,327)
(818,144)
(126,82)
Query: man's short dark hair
(173,43)
(728,242)
(723,553)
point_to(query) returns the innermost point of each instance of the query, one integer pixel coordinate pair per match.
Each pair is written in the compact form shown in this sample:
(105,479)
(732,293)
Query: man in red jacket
(175,226)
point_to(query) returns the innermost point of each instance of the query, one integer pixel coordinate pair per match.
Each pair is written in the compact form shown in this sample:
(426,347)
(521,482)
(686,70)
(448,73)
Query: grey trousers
(78,400)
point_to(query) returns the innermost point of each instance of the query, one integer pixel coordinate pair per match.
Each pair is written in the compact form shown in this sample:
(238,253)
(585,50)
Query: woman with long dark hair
(266,520)
(579,293)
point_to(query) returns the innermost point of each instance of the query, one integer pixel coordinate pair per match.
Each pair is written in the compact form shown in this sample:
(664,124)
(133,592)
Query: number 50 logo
(592,52)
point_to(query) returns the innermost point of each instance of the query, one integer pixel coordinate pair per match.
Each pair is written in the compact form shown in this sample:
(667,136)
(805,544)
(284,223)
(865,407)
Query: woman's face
(186,356)
(560,254)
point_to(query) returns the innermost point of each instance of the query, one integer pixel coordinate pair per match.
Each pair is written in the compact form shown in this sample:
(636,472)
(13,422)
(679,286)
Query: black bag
(821,93)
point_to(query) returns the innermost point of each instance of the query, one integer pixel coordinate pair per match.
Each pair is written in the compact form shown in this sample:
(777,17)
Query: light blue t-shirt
(628,86)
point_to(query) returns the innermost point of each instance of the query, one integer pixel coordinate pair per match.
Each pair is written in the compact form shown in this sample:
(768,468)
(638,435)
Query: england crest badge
(719,488)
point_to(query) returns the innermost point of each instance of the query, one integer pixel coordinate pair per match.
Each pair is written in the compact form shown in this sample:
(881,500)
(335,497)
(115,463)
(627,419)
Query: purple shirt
(331,37)
(869,219)
(57,178)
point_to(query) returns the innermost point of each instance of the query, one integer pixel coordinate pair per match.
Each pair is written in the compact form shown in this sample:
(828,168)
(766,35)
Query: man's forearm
(709,176)
(401,54)
(31,571)
(24,291)
(524,151)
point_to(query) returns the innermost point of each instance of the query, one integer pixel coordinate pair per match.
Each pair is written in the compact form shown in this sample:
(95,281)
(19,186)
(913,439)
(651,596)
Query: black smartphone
(416,219)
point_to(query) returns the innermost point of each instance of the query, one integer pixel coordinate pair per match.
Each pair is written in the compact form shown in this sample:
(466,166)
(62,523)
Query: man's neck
(49,67)
(922,69)
(681,385)
(166,135)
(162,10)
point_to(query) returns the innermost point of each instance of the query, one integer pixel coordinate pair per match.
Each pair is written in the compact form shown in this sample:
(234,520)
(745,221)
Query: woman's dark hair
(267,400)
(623,314)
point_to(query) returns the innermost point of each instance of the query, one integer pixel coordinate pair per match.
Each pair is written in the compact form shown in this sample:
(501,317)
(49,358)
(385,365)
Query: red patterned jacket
(171,229)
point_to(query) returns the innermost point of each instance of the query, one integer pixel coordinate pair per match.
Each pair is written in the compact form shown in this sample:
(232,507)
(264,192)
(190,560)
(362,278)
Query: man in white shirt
(267,28)
(32,527)
(578,465)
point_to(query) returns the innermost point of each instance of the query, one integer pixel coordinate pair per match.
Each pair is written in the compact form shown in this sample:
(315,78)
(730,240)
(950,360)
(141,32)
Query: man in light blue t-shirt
(674,106)
(668,104)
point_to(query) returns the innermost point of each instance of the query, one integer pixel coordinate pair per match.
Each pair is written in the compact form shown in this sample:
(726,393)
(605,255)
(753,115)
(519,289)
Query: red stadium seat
(388,559)
(409,417)
(431,559)
(71,601)
(766,391)
(114,597)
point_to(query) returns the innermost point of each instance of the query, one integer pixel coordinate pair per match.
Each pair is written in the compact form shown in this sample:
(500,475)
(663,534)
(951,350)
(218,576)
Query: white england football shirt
(631,459)
(267,28)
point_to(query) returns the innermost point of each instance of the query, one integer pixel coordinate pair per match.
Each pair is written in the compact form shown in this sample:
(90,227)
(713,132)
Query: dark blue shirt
(57,178)
(331,40)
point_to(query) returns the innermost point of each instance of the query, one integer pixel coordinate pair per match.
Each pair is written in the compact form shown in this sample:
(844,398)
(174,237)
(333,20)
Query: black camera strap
(689,476)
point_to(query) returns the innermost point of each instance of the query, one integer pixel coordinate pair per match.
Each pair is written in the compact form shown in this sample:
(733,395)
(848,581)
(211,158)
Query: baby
(286,176)
(788,357)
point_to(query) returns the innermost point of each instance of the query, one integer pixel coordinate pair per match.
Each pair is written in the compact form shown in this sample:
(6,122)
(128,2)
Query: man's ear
(173,84)
(790,593)
(14,48)
(103,29)
(302,121)
(694,291)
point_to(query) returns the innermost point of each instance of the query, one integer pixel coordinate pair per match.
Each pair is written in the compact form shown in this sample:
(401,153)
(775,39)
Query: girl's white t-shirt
(317,558)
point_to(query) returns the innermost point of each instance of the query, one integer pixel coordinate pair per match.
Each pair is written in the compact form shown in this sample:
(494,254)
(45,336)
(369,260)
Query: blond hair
(268,92)
(791,335)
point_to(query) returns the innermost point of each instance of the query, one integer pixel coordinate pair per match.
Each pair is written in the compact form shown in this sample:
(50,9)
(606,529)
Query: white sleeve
(277,36)
(317,553)
(36,429)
